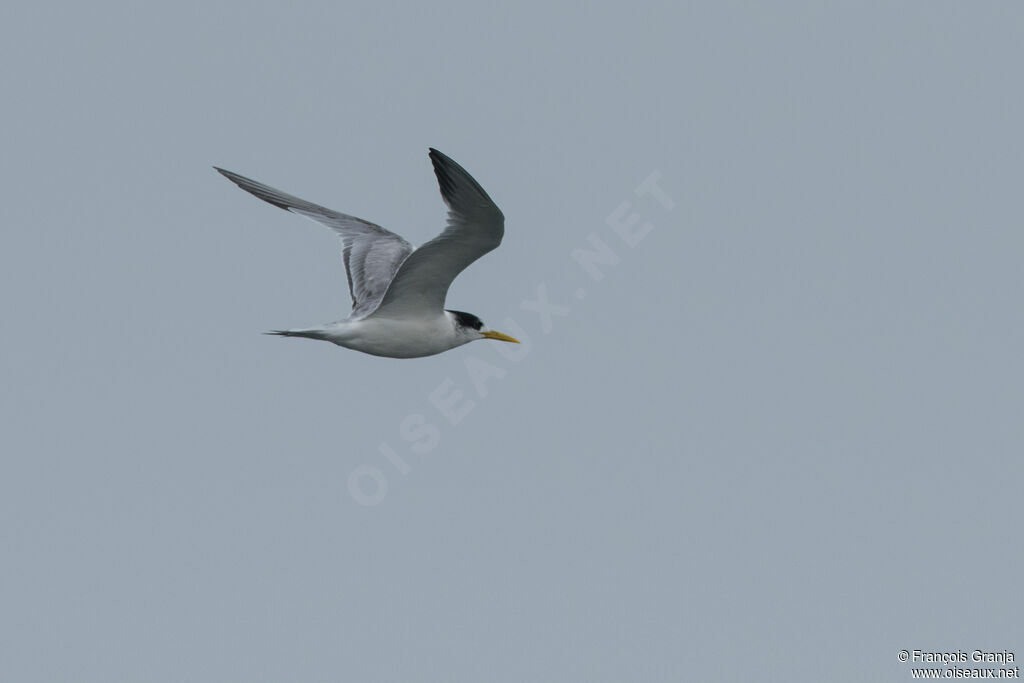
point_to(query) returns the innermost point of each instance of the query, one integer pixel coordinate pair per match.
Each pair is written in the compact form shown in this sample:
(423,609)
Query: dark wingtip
(267,194)
(441,170)
(453,179)
(230,175)
(439,158)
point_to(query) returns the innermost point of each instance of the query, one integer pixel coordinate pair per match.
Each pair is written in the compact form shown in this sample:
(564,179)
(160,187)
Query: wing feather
(371,254)
(475,227)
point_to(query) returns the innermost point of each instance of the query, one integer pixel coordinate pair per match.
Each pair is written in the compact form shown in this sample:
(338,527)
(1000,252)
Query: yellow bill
(491,334)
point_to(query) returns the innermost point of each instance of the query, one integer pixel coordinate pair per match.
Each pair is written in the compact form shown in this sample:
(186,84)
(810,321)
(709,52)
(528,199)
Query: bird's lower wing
(371,254)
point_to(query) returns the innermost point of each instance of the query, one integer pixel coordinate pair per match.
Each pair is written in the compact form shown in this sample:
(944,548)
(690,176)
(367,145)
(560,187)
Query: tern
(397,292)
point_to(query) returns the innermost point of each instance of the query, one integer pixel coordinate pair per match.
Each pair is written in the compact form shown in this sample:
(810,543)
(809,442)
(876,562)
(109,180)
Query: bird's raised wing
(371,253)
(475,227)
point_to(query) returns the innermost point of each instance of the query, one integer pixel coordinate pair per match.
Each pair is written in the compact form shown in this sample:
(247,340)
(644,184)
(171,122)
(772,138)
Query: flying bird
(397,292)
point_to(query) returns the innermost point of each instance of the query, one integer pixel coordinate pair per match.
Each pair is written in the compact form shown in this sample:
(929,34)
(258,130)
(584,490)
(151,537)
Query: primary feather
(370,253)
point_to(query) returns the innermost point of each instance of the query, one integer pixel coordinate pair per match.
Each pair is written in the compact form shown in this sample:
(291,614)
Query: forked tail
(309,334)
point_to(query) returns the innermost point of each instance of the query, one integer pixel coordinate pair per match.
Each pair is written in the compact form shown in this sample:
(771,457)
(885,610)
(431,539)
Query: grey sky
(779,440)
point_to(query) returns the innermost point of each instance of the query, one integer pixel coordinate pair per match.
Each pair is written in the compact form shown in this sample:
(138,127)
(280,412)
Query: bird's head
(469,327)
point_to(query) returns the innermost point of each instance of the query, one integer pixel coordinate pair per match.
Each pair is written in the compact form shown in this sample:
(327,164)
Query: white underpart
(399,337)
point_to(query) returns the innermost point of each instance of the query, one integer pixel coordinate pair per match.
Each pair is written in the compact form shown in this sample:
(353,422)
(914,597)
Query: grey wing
(475,227)
(371,254)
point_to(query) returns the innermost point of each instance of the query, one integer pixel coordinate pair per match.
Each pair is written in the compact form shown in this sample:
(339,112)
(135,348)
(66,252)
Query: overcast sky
(766,258)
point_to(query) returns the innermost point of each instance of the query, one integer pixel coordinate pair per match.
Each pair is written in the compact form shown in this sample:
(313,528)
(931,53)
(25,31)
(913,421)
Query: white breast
(396,337)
